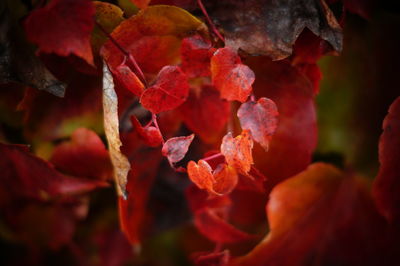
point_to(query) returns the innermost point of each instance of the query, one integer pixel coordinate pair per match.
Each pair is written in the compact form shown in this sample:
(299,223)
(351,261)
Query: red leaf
(238,151)
(196,53)
(128,79)
(84,155)
(230,76)
(176,148)
(216,229)
(63,27)
(260,118)
(149,134)
(387,182)
(206,114)
(321,216)
(170,90)
(25,175)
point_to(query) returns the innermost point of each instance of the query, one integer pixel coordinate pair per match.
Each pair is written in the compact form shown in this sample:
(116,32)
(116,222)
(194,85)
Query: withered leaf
(111,127)
(270,28)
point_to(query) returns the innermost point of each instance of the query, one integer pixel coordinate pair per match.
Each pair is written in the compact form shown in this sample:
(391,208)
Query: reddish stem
(128,55)
(154,119)
(209,21)
(211,157)
(252,97)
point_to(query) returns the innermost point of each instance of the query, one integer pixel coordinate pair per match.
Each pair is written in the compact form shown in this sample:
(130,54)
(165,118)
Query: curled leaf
(149,134)
(238,151)
(176,148)
(170,90)
(111,127)
(230,76)
(128,79)
(260,118)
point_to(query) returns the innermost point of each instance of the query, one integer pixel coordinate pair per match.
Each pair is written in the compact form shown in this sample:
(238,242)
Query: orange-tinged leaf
(149,134)
(47,28)
(217,229)
(201,174)
(387,182)
(230,76)
(226,179)
(170,90)
(238,151)
(176,148)
(153,37)
(111,127)
(321,216)
(260,118)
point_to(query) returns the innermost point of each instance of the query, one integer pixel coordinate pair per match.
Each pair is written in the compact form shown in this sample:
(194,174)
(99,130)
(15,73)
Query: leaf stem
(209,21)
(214,156)
(154,119)
(127,55)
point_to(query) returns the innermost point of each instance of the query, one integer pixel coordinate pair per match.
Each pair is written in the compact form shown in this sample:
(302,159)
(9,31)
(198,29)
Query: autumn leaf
(217,229)
(111,127)
(128,79)
(149,134)
(46,27)
(230,76)
(214,258)
(238,151)
(387,180)
(253,25)
(201,174)
(321,216)
(153,36)
(260,118)
(170,90)
(226,179)
(27,176)
(176,148)
(196,53)
(84,155)
(205,114)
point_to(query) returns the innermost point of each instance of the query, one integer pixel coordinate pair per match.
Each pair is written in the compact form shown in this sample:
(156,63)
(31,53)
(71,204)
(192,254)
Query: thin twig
(209,21)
